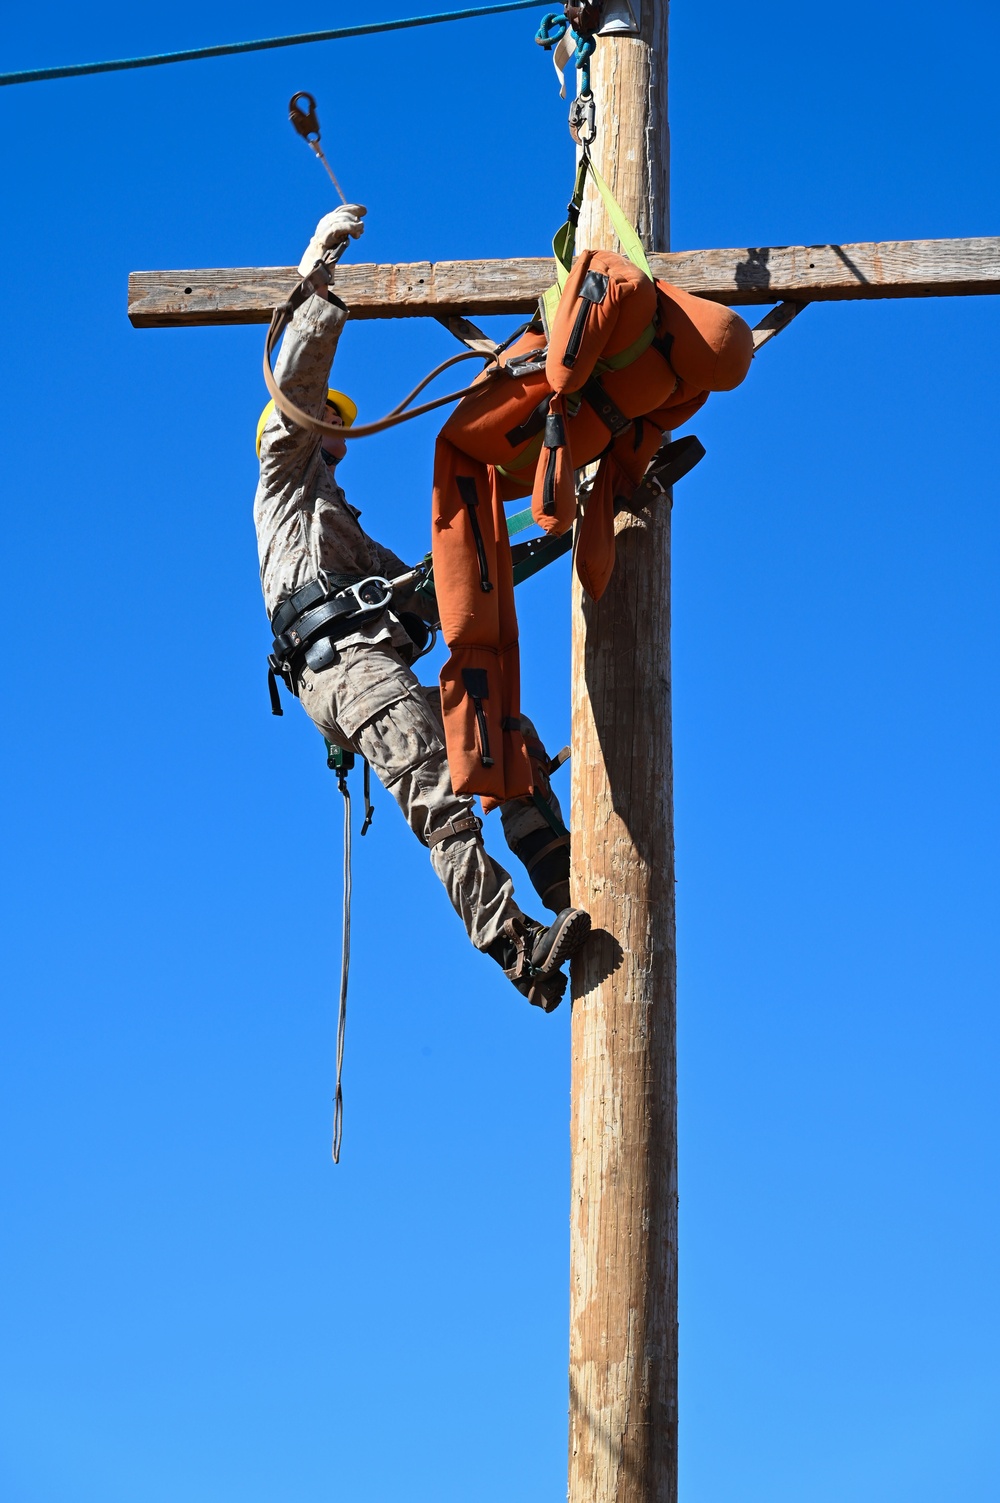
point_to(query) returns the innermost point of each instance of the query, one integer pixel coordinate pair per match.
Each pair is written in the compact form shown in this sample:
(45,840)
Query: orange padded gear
(656,353)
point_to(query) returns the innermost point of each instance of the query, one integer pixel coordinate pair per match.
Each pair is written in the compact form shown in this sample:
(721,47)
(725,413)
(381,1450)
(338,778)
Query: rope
(77,70)
(552,30)
(345,966)
(399,414)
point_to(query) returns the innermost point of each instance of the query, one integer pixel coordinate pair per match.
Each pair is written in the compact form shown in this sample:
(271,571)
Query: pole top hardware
(621,18)
(584,15)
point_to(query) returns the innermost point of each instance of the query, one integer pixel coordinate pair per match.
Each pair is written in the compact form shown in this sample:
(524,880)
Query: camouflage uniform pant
(370,702)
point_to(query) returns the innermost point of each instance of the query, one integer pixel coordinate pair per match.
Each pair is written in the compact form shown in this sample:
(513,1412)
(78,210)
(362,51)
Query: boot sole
(568,939)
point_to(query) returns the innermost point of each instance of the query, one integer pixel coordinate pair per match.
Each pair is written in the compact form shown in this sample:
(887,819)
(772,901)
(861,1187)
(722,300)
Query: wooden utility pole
(623,1229)
(623,1298)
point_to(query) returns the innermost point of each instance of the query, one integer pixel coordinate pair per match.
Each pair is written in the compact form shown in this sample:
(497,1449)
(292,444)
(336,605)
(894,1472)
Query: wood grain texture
(623,1210)
(623,1207)
(625,161)
(425,289)
(774,322)
(469,333)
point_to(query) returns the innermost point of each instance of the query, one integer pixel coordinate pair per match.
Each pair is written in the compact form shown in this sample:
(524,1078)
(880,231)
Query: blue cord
(37,75)
(553,28)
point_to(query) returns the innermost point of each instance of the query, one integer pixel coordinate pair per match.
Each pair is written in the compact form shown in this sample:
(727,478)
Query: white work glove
(331,230)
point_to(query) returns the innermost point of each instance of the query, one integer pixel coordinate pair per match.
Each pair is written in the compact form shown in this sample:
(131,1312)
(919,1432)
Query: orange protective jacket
(626,359)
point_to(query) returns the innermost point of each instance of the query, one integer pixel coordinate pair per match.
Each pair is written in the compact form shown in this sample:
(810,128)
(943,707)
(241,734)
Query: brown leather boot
(531,955)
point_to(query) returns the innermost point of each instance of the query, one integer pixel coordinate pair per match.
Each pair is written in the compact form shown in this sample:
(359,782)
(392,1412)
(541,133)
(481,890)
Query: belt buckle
(526,365)
(371,595)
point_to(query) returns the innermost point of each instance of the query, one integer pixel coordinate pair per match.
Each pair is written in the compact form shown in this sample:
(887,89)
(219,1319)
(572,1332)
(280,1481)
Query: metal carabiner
(583,119)
(307,125)
(304,119)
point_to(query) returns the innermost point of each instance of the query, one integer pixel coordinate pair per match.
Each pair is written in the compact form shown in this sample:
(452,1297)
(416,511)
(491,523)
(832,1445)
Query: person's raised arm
(303,366)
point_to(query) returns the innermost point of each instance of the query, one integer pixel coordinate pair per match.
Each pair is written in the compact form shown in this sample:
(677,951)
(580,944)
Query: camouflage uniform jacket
(304,523)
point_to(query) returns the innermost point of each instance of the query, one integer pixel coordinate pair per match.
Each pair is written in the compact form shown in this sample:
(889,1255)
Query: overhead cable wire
(77,70)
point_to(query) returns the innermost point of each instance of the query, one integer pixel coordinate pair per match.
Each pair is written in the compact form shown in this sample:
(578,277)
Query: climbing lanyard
(579,23)
(341,762)
(577,26)
(401,413)
(345,966)
(302,114)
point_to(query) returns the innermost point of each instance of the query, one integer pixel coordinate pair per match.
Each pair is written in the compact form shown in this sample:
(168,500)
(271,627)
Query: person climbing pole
(360,691)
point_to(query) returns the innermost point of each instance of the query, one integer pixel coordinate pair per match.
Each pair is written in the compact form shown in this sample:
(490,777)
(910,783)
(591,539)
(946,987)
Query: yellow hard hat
(348,411)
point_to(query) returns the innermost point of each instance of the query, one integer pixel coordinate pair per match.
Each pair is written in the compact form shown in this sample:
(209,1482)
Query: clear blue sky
(196,1305)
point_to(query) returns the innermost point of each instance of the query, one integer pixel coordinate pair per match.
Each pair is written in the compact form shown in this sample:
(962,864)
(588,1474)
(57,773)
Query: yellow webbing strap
(547,305)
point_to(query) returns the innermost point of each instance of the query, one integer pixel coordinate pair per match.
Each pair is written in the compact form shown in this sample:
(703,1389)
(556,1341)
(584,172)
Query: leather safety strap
(559,844)
(272,689)
(609,413)
(399,414)
(314,593)
(671,462)
(469,825)
(533,423)
(334,618)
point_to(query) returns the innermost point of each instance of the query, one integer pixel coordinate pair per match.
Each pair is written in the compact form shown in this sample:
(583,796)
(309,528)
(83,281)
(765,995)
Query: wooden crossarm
(425,289)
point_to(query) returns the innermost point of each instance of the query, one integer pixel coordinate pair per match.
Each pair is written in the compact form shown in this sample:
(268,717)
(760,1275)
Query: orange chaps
(626,360)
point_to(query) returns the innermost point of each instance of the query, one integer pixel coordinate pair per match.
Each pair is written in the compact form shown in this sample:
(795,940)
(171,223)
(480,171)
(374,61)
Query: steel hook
(303,117)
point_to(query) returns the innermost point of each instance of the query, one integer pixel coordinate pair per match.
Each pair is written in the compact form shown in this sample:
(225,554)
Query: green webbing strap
(631,352)
(564,249)
(549,814)
(564,243)
(529,456)
(519,521)
(528,559)
(539,553)
(628,239)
